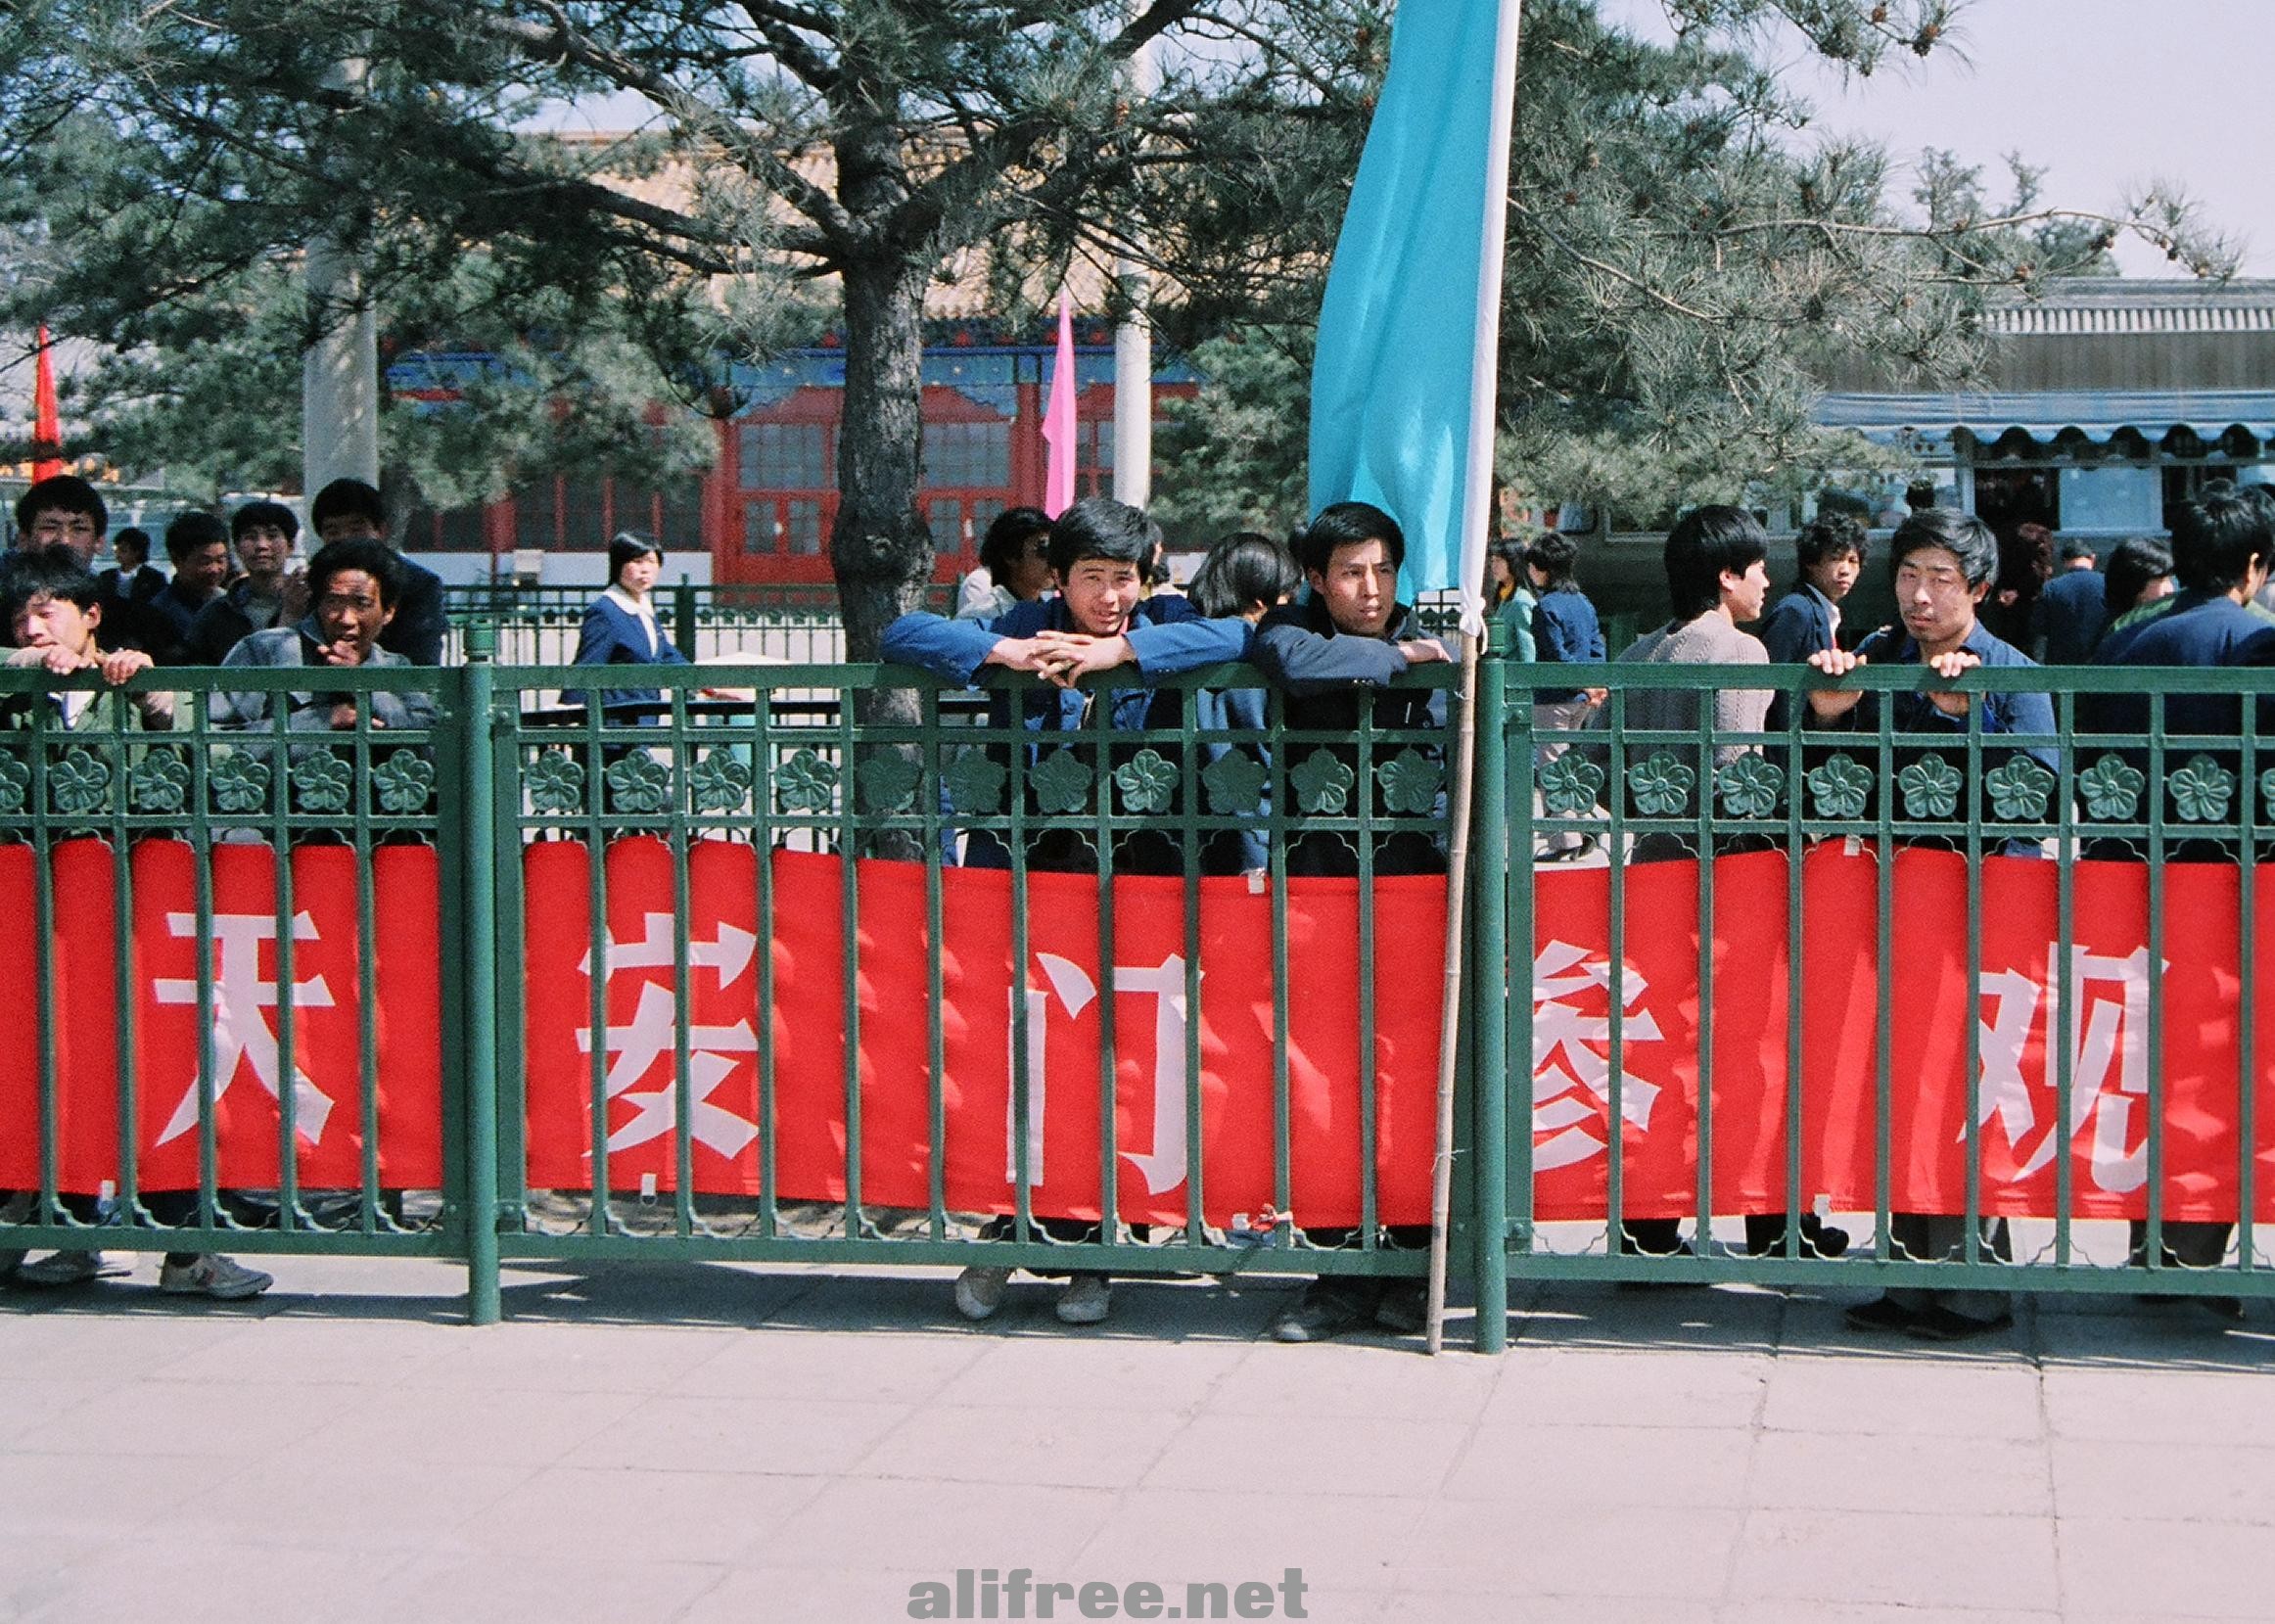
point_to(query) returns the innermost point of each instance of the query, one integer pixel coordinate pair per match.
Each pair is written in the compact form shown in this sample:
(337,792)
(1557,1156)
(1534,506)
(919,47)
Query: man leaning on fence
(1099,621)
(354,588)
(1943,562)
(1336,653)
(52,610)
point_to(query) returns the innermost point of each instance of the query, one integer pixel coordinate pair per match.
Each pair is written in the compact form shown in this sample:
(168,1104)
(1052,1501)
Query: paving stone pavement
(724,1444)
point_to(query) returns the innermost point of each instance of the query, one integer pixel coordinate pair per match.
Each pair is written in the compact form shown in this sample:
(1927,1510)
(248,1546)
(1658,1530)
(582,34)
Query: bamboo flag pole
(1476,521)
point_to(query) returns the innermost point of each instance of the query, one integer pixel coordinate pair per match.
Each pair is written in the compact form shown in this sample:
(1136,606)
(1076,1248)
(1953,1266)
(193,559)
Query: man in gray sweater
(1717,560)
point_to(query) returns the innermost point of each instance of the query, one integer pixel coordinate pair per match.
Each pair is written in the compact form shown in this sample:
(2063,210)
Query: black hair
(1098,527)
(1705,543)
(2216,538)
(347,499)
(1157,558)
(375,559)
(44,573)
(61,493)
(2070,548)
(275,514)
(131,536)
(192,531)
(1553,553)
(1828,537)
(629,546)
(1242,570)
(1510,551)
(1961,534)
(2132,567)
(1008,533)
(1345,525)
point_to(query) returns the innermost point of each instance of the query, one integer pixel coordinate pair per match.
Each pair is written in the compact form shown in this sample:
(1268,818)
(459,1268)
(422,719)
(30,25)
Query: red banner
(1067,996)
(2020,1034)
(242,1017)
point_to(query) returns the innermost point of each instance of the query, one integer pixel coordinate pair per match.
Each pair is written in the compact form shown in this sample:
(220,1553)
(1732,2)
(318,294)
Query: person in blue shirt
(619,626)
(1565,631)
(1099,621)
(2222,550)
(1831,553)
(1943,562)
(1244,576)
(2066,621)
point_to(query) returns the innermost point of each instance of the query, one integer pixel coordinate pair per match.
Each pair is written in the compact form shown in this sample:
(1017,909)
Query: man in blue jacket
(1099,621)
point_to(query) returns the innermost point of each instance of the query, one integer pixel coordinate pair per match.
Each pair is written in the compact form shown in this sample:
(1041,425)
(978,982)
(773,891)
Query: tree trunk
(880,548)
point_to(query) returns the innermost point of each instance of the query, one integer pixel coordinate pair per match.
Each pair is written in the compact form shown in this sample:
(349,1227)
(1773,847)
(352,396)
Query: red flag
(47,434)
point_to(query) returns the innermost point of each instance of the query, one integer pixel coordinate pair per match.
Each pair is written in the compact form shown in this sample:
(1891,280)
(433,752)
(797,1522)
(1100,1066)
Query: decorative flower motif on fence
(2111,789)
(321,782)
(1235,783)
(638,783)
(556,781)
(1323,785)
(1749,786)
(2020,790)
(2201,790)
(240,783)
(1410,782)
(805,783)
(1147,782)
(14,783)
(1063,784)
(1842,787)
(80,783)
(1570,785)
(403,782)
(975,784)
(888,780)
(1660,784)
(1930,787)
(721,781)
(159,783)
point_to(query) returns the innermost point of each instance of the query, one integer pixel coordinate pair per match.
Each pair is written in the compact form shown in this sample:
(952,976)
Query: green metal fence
(538,626)
(510,804)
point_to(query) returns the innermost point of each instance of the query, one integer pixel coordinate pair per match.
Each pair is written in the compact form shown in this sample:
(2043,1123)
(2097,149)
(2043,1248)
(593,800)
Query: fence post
(684,617)
(1488,984)
(477,836)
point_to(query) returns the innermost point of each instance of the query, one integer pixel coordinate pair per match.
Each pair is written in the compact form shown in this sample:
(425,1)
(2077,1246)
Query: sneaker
(1324,1310)
(979,1290)
(1086,1300)
(1405,1307)
(60,1269)
(10,1257)
(213,1276)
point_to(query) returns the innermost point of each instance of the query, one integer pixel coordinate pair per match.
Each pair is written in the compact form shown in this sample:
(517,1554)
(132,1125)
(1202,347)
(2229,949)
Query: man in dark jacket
(263,595)
(351,510)
(1334,654)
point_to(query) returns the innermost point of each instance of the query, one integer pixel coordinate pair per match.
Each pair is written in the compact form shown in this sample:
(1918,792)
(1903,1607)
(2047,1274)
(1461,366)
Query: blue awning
(1930,421)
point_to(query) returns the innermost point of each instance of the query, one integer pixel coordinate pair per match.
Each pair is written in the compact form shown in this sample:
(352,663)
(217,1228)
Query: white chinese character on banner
(241,1034)
(1162,1165)
(2109,1039)
(1571,1054)
(652,1038)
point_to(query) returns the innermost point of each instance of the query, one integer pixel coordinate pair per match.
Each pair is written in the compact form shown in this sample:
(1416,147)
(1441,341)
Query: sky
(2101,94)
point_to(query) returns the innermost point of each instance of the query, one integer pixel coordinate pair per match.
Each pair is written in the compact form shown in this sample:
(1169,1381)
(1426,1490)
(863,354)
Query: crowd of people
(1320,619)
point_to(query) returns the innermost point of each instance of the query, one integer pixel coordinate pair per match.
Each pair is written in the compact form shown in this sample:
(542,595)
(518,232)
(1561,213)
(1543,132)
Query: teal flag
(1390,385)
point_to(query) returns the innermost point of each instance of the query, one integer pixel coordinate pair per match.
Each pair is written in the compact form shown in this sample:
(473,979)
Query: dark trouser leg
(2187,1245)
(1943,1236)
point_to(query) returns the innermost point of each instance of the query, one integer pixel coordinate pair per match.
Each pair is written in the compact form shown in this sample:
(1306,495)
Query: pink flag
(47,434)
(1059,418)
